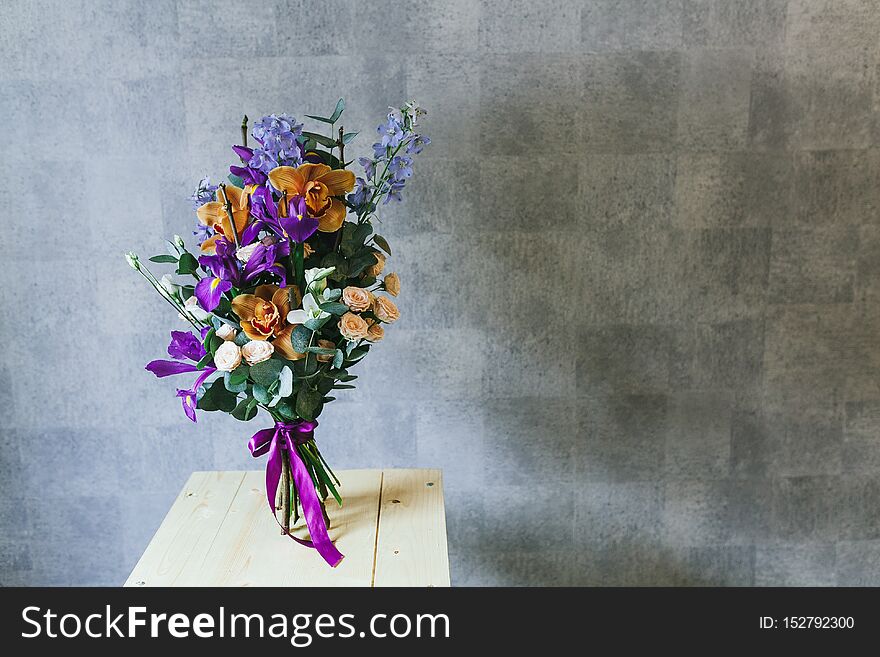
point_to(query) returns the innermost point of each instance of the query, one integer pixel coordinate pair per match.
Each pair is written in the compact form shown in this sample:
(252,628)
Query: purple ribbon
(287,437)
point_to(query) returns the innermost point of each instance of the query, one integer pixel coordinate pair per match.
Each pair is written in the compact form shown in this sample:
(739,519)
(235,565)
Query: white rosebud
(227,357)
(178,240)
(244,253)
(256,351)
(226,332)
(132,258)
(192,307)
(169,285)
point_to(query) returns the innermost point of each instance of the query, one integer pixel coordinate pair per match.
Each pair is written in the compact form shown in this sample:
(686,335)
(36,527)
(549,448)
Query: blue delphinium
(278,138)
(204,193)
(386,173)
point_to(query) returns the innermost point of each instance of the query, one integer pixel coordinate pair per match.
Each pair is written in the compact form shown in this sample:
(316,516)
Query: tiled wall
(640,264)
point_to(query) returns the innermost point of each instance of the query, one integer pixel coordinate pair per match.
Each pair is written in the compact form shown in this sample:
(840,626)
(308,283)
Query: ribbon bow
(274,442)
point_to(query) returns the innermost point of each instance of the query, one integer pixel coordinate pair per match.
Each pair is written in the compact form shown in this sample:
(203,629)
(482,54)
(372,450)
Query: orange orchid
(318,184)
(214,215)
(263,316)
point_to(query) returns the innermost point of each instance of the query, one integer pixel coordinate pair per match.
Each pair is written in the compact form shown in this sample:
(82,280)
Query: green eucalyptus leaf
(382,243)
(338,357)
(299,339)
(234,386)
(333,295)
(203,363)
(362,232)
(286,409)
(337,111)
(164,259)
(245,410)
(348,136)
(316,324)
(308,401)
(322,119)
(239,374)
(187,264)
(321,139)
(343,386)
(261,394)
(334,308)
(324,351)
(285,382)
(360,262)
(217,398)
(267,372)
(236,180)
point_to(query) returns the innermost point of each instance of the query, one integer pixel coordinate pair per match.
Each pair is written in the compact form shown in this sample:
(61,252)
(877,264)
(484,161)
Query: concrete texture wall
(641,269)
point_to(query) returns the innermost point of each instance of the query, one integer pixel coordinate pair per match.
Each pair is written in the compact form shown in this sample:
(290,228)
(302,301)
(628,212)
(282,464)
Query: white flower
(226,332)
(256,351)
(311,310)
(244,253)
(193,308)
(169,285)
(227,357)
(315,278)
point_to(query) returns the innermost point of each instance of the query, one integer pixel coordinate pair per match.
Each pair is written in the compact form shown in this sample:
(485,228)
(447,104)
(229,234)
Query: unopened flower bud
(132,259)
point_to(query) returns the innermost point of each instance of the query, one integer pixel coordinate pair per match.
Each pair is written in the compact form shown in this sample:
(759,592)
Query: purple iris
(298,225)
(184,345)
(224,267)
(189,399)
(266,257)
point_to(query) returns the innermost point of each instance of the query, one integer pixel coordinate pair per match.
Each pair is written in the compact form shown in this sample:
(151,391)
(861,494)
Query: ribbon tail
(273,473)
(311,508)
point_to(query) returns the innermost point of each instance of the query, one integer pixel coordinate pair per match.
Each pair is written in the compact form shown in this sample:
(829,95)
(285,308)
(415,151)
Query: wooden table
(220,532)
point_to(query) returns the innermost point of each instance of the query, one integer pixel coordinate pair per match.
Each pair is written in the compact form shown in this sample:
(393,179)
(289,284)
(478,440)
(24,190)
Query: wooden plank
(187,532)
(411,546)
(251,551)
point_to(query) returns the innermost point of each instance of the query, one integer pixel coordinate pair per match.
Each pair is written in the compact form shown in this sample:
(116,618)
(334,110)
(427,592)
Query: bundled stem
(285,493)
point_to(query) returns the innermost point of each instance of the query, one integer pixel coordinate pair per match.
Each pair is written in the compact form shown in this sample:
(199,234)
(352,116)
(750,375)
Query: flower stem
(230,216)
(244,127)
(151,279)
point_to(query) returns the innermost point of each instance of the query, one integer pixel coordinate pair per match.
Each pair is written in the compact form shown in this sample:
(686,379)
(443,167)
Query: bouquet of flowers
(285,296)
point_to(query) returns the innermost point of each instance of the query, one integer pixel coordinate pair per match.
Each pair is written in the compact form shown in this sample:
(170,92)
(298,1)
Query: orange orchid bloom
(263,316)
(318,184)
(214,215)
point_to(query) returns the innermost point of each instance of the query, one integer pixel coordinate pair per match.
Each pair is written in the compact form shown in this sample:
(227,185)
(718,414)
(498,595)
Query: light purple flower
(278,136)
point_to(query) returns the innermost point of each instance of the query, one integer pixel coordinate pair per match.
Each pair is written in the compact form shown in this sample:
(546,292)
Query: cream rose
(226,332)
(326,344)
(353,327)
(192,307)
(384,309)
(376,269)
(357,299)
(227,357)
(256,351)
(392,284)
(375,333)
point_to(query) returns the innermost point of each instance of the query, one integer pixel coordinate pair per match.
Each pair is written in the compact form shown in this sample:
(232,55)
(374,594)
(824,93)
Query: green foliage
(321,139)
(308,403)
(245,410)
(217,398)
(164,259)
(348,136)
(236,180)
(237,380)
(267,372)
(299,339)
(334,308)
(333,118)
(187,264)
(382,243)
(338,357)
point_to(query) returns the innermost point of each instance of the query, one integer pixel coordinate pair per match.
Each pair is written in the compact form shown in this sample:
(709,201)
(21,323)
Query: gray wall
(641,268)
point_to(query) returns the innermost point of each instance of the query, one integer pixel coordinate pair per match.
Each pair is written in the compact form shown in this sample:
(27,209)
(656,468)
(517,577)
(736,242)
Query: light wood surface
(220,532)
